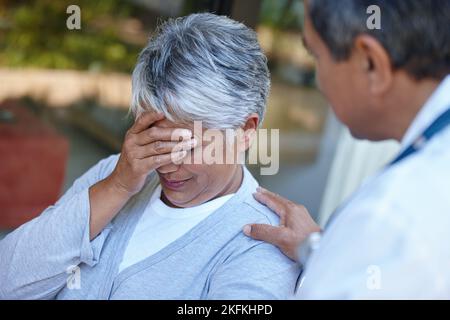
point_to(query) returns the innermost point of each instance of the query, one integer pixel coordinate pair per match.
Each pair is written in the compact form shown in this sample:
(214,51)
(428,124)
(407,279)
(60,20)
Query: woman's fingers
(144,121)
(147,147)
(162,134)
(163,147)
(152,163)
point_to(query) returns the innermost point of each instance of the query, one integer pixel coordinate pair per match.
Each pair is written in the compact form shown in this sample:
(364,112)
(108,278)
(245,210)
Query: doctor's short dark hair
(415,33)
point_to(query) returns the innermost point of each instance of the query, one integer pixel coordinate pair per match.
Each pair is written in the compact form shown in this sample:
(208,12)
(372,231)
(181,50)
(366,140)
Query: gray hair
(415,33)
(202,67)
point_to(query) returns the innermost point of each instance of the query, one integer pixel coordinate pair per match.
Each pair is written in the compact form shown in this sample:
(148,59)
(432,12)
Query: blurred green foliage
(34,33)
(282,14)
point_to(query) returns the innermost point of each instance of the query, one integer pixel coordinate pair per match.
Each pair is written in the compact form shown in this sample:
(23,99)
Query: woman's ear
(247,132)
(252,122)
(375,63)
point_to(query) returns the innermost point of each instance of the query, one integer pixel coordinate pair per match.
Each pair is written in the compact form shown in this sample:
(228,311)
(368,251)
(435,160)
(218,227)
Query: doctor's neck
(403,103)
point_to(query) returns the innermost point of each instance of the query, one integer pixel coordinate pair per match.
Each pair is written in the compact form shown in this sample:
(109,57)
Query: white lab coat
(392,239)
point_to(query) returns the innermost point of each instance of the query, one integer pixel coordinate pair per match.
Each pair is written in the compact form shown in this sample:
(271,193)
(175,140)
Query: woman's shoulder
(246,210)
(260,212)
(250,208)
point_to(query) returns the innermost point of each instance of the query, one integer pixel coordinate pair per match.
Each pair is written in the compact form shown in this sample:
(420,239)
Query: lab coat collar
(436,104)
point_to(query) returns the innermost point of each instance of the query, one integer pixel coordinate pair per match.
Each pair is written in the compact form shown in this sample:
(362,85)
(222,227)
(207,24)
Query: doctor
(391,239)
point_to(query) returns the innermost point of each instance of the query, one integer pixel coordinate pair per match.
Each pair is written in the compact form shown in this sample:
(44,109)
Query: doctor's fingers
(264,232)
(278,236)
(281,206)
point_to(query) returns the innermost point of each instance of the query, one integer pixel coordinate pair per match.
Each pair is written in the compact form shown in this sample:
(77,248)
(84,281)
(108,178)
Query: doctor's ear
(374,61)
(247,132)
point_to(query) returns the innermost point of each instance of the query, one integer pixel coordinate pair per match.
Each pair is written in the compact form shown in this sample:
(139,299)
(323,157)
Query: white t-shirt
(160,225)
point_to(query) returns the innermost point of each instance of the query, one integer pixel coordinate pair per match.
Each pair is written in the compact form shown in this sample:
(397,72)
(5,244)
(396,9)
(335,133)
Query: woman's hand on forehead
(148,147)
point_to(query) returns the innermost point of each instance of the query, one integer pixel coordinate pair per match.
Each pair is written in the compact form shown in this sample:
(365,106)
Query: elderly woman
(147,224)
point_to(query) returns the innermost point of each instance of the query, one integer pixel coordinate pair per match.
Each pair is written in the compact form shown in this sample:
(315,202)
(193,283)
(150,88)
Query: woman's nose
(168,168)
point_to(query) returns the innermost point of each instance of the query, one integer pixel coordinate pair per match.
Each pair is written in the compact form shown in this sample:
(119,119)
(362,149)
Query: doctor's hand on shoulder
(296,224)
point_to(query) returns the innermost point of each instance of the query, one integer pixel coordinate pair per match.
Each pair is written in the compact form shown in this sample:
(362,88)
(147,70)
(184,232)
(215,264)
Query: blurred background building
(64,97)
